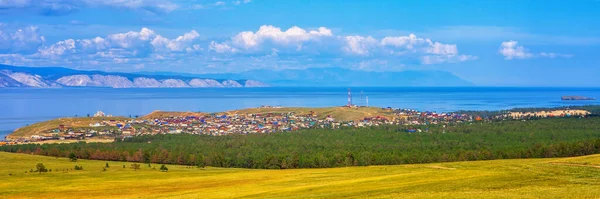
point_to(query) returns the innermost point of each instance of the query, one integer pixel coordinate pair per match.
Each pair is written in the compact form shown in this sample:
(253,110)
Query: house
(97,124)
(99,114)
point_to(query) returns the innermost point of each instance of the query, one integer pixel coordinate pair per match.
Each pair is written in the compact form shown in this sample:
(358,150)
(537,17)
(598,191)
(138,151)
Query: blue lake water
(19,107)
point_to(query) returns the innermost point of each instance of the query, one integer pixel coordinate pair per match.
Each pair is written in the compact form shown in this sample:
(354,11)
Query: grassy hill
(339,113)
(161,114)
(577,177)
(38,128)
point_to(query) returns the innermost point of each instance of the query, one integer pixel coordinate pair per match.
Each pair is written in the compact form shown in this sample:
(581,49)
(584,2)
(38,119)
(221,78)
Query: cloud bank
(268,47)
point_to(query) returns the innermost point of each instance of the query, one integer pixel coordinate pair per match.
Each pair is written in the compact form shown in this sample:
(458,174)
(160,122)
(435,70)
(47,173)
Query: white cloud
(268,47)
(221,47)
(296,41)
(25,39)
(60,7)
(14,59)
(181,43)
(220,3)
(427,51)
(122,47)
(58,49)
(293,36)
(408,42)
(411,43)
(239,2)
(511,50)
(359,45)
(442,49)
(132,39)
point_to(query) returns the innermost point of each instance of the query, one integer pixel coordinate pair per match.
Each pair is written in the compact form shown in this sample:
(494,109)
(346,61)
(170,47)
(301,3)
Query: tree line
(320,148)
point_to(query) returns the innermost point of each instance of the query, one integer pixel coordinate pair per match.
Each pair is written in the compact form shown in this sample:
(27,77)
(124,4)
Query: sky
(489,43)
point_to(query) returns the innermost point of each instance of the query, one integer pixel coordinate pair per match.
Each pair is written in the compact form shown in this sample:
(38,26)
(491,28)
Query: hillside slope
(38,128)
(339,113)
(524,178)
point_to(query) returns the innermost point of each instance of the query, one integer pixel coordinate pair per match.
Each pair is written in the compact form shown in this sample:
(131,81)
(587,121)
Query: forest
(321,148)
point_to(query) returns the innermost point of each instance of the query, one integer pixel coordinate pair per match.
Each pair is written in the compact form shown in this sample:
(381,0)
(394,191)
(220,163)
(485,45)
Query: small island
(577,98)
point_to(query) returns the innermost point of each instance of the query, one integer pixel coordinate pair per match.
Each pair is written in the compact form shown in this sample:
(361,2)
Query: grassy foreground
(577,177)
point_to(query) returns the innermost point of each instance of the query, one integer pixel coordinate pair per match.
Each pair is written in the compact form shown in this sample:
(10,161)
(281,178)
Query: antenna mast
(349,98)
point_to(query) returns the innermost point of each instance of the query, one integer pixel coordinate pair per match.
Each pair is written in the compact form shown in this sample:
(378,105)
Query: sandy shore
(556,113)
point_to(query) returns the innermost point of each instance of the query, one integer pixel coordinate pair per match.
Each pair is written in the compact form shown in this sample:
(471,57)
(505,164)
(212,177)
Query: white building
(99,114)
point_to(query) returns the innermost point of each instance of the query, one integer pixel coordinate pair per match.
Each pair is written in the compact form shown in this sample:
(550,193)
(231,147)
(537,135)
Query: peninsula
(577,98)
(102,127)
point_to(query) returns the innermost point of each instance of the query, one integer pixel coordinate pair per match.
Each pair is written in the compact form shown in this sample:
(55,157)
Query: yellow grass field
(577,177)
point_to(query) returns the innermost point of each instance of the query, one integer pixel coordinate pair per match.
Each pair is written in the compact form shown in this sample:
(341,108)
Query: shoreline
(440,99)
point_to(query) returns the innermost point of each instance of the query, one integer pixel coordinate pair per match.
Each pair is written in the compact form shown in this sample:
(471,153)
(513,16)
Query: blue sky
(490,43)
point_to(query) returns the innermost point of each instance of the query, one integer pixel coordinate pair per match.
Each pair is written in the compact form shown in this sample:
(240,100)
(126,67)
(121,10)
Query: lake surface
(19,107)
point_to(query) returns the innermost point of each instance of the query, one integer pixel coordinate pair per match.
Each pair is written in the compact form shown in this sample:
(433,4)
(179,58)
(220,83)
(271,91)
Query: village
(216,124)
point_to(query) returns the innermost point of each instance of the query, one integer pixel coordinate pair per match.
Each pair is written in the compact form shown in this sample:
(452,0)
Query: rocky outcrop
(205,83)
(174,83)
(143,82)
(6,81)
(11,76)
(111,81)
(29,80)
(253,83)
(77,80)
(231,83)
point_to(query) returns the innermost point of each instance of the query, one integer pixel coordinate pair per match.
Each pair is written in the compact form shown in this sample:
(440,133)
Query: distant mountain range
(56,77)
(11,76)
(335,76)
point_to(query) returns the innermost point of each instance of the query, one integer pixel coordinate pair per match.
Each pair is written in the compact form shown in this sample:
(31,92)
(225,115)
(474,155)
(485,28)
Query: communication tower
(349,98)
